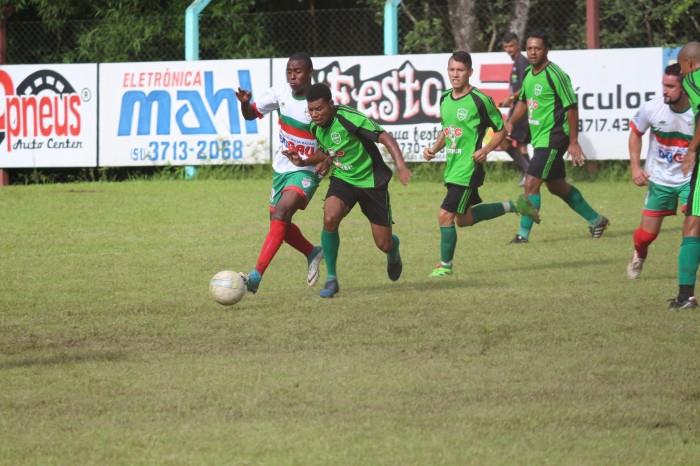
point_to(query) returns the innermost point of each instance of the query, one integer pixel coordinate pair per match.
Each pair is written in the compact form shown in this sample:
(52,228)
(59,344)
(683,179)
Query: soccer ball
(227,287)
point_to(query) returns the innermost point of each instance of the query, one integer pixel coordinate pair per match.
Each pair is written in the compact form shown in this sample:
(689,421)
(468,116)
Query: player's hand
(639,176)
(404,174)
(323,166)
(428,153)
(576,153)
(294,157)
(243,96)
(480,155)
(509,127)
(688,162)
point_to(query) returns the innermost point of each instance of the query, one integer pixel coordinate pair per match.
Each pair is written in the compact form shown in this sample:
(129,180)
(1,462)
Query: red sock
(272,243)
(642,240)
(295,238)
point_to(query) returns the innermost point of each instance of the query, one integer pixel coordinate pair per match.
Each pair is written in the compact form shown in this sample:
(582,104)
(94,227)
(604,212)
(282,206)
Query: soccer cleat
(519,240)
(252,280)
(330,289)
(394,269)
(634,268)
(441,271)
(681,305)
(598,230)
(314,260)
(523,206)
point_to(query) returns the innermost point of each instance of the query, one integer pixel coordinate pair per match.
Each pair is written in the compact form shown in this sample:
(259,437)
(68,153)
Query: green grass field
(112,352)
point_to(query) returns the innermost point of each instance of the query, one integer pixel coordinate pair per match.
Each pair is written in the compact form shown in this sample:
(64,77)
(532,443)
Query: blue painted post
(192,50)
(391,27)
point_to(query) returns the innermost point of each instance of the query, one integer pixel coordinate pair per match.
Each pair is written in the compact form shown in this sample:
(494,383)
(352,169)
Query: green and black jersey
(548,95)
(464,123)
(350,138)
(691,85)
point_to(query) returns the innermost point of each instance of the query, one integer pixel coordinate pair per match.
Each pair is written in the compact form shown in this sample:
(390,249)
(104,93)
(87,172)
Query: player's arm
(496,140)
(518,113)
(634,145)
(691,155)
(574,149)
(392,146)
(495,122)
(247,108)
(429,153)
(296,158)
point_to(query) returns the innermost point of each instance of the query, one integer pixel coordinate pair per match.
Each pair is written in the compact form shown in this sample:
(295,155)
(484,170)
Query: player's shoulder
(479,94)
(556,70)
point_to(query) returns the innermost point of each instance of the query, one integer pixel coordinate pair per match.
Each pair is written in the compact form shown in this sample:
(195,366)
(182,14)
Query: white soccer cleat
(634,268)
(314,260)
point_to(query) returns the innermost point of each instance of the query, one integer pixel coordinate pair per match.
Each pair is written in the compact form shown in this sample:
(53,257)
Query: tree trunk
(518,22)
(463,23)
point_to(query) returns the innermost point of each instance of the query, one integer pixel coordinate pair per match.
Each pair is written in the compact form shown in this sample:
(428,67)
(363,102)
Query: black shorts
(547,164)
(374,202)
(460,198)
(692,208)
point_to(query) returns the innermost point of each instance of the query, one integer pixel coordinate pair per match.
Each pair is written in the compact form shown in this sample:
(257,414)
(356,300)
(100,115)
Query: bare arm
(689,159)
(574,149)
(634,144)
(246,107)
(429,153)
(393,147)
(498,137)
(519,111)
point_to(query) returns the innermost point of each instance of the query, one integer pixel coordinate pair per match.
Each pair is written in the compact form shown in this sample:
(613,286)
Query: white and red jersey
(668,142)
(294,123)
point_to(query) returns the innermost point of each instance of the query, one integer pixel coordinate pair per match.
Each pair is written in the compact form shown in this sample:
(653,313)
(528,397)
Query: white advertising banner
(48,116)
(181,113)
(402,92)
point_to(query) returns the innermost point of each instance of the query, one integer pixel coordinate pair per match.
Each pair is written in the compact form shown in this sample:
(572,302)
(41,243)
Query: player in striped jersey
(689,253)
(294,181)
(465,115)
(670,122)
(548,98)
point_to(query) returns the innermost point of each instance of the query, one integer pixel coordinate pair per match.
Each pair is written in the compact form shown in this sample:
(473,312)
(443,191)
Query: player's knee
(331,220)
(384,245)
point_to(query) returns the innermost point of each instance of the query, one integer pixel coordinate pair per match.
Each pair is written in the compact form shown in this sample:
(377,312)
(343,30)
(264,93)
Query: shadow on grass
(555,265)
(610,233)
(63,358)
(443,283)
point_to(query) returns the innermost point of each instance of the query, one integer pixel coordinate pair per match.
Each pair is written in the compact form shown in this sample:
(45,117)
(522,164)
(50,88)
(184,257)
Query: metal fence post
(391,27)
(192,50)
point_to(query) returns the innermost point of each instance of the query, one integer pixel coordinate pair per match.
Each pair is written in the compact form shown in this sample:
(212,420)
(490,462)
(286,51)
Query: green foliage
(427,36)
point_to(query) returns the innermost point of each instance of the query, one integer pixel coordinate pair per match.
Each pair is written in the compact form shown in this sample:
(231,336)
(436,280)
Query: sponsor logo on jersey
(42,112)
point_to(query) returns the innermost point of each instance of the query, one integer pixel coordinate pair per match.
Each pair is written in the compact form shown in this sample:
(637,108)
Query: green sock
(525,221)
(448,243)
(581,207)
(393,253)
(688,260)
(330,242)
(483,212)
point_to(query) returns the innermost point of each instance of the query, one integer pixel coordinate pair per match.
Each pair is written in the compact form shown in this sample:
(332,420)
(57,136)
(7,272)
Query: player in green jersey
(359,176)
(466,113)
(549,100)
(689,253)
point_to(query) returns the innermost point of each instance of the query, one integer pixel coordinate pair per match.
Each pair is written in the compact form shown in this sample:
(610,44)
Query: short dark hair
(303,57)
(673,70)
(542,36)
(462,57)
(510,37)
(319,91)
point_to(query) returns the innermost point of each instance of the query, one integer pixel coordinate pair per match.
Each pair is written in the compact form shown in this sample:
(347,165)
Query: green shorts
(302,182)
(663,200)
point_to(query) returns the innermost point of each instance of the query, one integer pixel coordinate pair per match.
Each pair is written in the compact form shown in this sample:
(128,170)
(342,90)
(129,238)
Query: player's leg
(376,206)
(339,201)
(660,201)
(537,171)
(456,203)
(305,184)
(689,252)
(555,176)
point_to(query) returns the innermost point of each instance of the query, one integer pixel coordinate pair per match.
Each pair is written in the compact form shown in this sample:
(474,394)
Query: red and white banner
(48,116)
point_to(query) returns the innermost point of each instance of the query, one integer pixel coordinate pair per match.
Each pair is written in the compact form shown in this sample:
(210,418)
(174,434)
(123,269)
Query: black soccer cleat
(394,269)
(519,240)
(681,305)
(598,230)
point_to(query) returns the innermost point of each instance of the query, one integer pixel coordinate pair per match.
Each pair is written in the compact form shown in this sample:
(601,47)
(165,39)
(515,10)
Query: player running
(550,102)
(689,253)
(465,114)
(359,176)
(671,122)
(294,181)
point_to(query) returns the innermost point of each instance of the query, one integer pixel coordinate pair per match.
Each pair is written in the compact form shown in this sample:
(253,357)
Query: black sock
(685,292)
